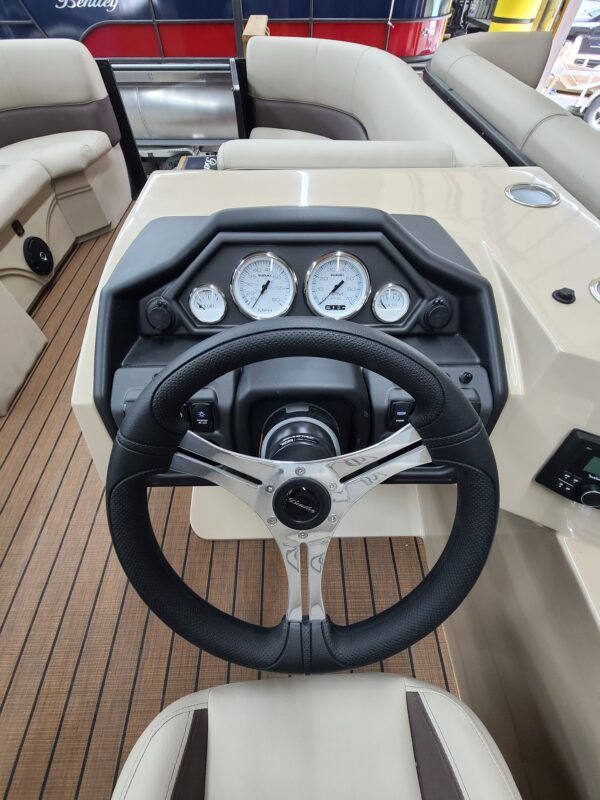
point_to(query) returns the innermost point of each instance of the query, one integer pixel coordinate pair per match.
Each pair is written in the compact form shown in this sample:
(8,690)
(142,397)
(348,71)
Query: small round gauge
(337,286)
(263,286)
(391,303)
(207,303)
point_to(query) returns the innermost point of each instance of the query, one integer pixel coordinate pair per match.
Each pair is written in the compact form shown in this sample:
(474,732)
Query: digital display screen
(593,466)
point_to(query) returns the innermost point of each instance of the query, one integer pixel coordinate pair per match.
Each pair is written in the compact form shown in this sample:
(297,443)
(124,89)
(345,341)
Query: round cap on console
(160,314)
(302,504)
(564,295)
(437,314)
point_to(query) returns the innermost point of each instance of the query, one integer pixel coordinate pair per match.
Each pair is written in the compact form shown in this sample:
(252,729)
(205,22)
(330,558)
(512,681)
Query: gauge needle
(335,288)
(265,286)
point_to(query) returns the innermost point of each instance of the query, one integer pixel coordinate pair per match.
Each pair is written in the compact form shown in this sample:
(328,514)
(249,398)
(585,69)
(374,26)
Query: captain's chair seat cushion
(20,184)
(282,133)
(342,737)
(60,154)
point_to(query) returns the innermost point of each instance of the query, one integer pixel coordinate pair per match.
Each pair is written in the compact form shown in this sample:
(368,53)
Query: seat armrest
(308,154)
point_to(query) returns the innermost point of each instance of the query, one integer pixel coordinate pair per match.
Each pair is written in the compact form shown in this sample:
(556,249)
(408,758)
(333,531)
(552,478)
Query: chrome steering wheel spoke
(332,487)
(317,551)
(292,560)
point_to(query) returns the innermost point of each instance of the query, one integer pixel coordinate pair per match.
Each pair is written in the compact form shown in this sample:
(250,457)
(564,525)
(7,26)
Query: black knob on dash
(160,314)
(590,495)
(437,314)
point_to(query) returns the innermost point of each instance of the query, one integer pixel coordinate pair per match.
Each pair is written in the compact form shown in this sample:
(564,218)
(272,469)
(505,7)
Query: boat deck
(84,666)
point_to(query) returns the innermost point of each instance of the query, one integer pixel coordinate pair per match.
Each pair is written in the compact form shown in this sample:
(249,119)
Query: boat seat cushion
(522,57)
(347,91)
(51,86)
(328,154)
(60,154)
(475,68)
(20,183)
(319,738)
(282,133)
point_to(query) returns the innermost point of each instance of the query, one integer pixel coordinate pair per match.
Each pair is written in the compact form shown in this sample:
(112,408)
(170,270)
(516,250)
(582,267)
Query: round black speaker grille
(38,255)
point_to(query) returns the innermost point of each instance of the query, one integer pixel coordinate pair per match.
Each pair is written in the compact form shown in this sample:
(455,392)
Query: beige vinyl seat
(495,74)
(55,110)
(341,737)
(303,93)
(284,134)
(60,154)
(63,179)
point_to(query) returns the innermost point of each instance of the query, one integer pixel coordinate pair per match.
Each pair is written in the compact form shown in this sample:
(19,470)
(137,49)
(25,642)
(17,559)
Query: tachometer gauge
(207,303)
(263,286)
(337,286)
(391,303)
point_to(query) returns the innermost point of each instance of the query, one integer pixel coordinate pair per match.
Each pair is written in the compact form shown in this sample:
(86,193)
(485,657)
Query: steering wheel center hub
(302,504)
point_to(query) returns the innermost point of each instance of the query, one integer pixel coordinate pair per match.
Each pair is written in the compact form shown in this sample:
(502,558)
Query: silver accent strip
(542,188)
(317,263)
(243,263)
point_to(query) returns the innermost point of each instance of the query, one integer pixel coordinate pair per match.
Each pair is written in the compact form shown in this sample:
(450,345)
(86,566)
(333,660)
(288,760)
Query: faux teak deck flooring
(83,665)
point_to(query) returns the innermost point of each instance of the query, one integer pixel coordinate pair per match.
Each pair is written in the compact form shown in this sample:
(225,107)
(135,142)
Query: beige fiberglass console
(526,642)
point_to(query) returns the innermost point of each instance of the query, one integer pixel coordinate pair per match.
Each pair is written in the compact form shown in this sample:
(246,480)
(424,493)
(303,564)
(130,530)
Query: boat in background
(411,29)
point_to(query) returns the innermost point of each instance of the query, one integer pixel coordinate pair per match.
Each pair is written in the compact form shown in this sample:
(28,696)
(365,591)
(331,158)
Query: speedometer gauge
(337,286)
(263,286)
(207,303)
(391,303)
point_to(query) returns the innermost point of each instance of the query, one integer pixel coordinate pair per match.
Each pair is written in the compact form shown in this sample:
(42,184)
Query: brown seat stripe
(191,778)
(436,778)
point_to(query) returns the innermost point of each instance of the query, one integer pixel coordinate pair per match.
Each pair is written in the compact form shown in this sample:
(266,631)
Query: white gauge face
(391,303)
(207,303)
(337,286)
(263,286)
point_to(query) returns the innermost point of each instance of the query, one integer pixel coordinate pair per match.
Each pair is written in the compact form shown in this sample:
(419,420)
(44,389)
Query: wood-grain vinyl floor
(83,665)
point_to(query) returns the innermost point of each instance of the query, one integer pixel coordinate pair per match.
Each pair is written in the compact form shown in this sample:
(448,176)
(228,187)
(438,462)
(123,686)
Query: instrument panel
(185,279)
(242,283)
(263,286)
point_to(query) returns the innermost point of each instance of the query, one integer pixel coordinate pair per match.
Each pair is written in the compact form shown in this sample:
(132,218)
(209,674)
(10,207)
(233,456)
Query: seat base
(26,196)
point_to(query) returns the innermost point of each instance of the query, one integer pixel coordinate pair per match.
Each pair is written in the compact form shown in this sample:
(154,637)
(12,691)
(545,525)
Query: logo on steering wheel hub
(301,504)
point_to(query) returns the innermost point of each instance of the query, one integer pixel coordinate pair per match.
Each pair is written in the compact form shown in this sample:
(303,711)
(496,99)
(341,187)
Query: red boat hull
(410,39)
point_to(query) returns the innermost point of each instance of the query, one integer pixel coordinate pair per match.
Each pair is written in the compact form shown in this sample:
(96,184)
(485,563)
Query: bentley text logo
(107,5)
(295,502)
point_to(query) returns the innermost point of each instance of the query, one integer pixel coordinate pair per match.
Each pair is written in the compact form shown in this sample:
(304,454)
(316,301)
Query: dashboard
(356,280)
(187,278)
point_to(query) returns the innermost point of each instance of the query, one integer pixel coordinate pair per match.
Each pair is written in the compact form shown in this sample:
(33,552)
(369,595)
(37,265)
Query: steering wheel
(301,503)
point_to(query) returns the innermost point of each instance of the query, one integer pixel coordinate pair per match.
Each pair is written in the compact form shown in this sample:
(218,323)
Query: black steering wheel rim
(453,433)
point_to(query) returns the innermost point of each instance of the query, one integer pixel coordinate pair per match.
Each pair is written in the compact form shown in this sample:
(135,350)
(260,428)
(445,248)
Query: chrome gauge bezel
(311,271)
(242,265)
(215,289)
(378,294)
